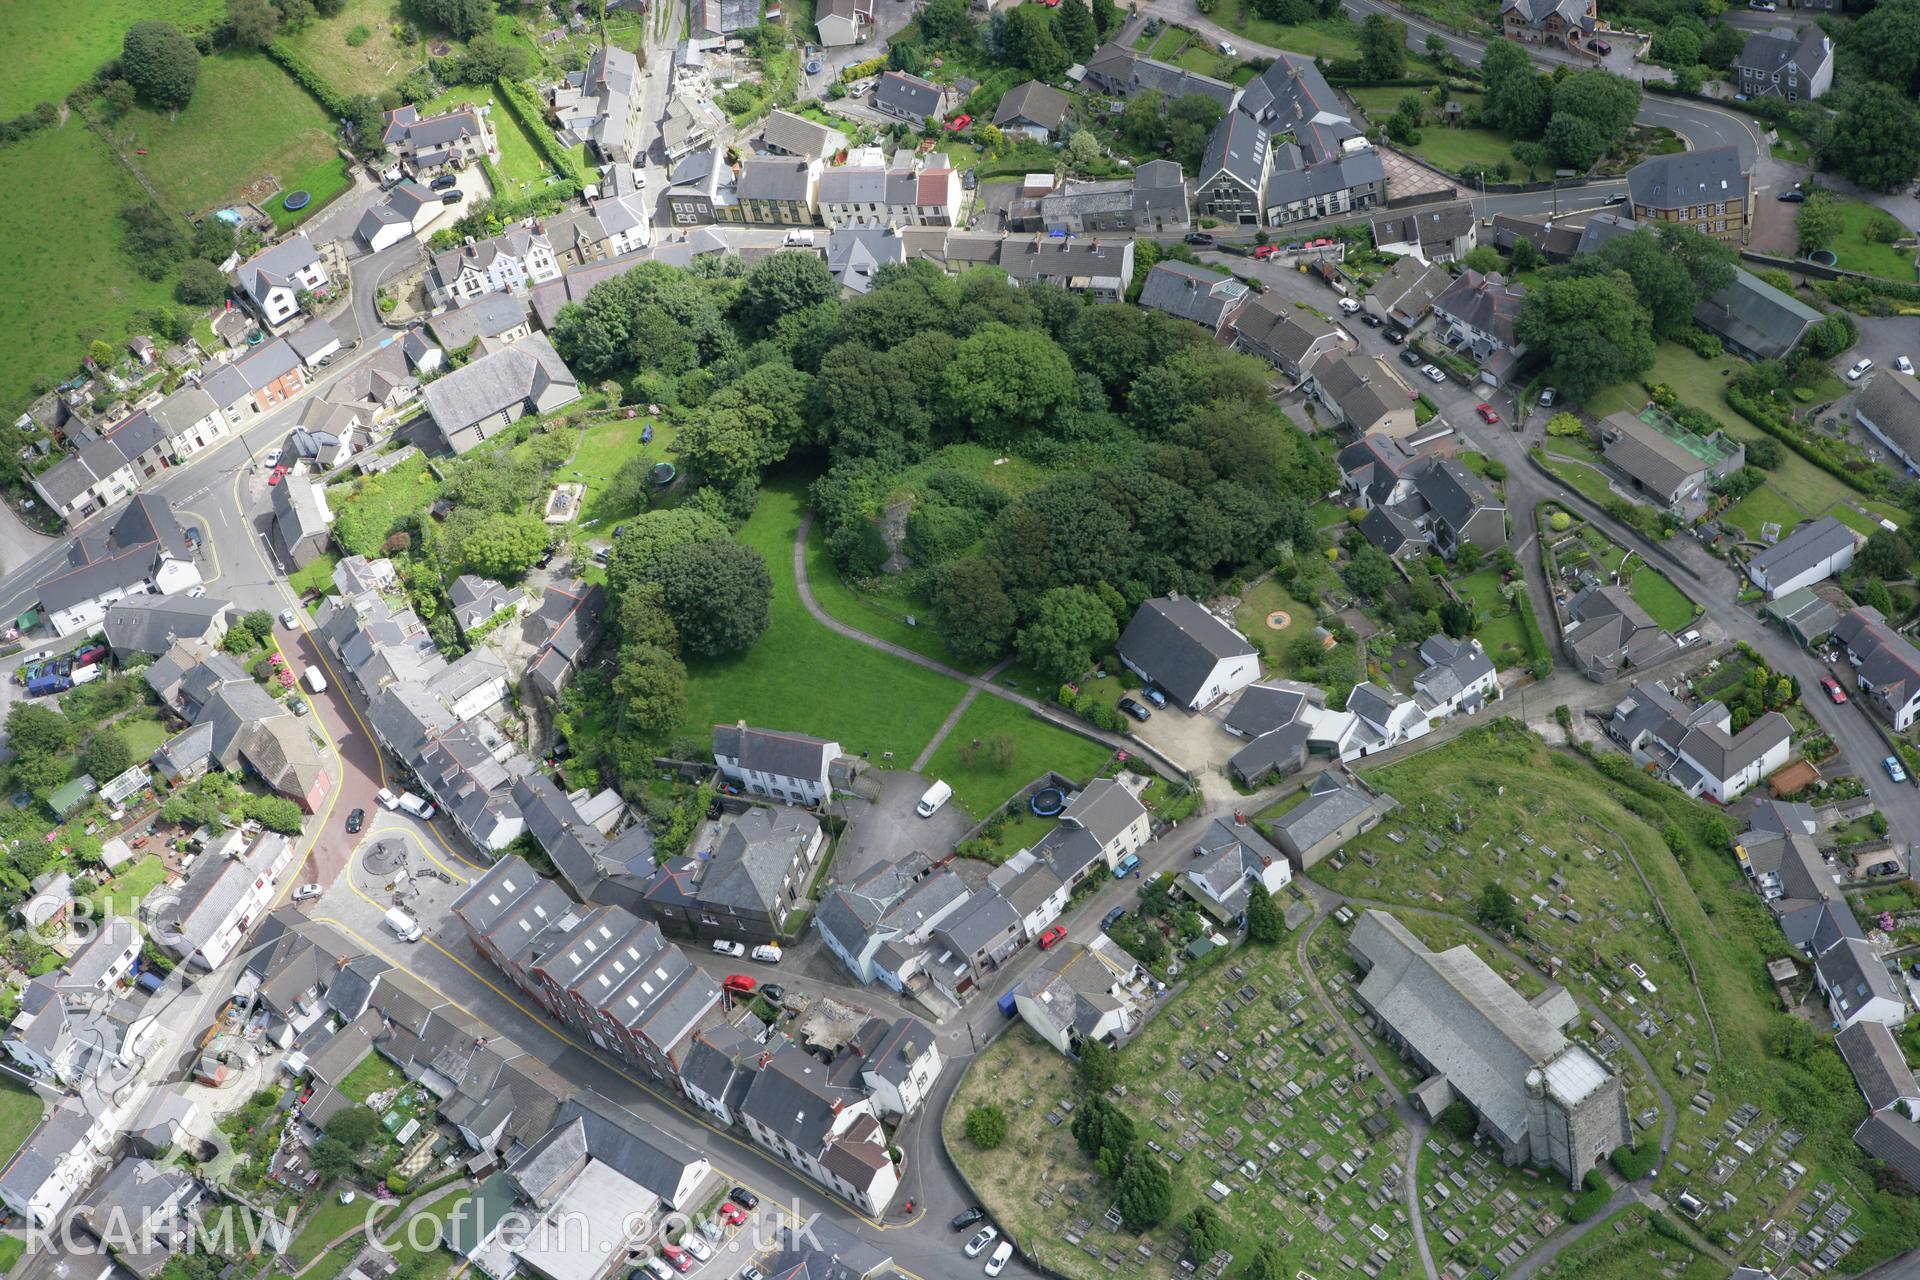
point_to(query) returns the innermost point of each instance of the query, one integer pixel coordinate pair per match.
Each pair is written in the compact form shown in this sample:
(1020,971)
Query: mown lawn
(1860,251)
(377,62)
(604,447)
(1700,383)
(799,675)
(328,1221)
(1502,631)
(369,508)
(316,578)
(20,1110)
(1581,477)
(325,180)
(1765,504)
(1448,147)
(57,46)
(1015,747)
(123,894)
(248,123)
(877,615)
(1664,602)
(61,192)
(1330,38)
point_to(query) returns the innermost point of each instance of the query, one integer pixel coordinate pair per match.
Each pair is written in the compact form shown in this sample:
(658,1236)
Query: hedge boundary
(1743,405)
(522,106)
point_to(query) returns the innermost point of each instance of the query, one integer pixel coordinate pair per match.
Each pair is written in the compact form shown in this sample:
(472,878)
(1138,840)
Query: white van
(315,681)
(404,926)
(937,794)
(799,239)
(414,805)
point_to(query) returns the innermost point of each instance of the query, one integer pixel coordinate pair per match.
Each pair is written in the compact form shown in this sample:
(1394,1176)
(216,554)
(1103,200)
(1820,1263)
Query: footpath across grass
(999,746)
(799,675)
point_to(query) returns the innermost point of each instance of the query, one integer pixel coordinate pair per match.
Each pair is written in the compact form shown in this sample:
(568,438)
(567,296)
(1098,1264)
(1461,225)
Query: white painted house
(1812,553)
(766,762)
(1857,985)
(272,280)
(1197,659)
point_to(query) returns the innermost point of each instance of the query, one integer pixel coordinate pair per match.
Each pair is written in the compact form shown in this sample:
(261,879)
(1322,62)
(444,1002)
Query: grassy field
(1330,38)
(983,778)
(1664,602)
(1860,251)
(603,447)
(374,1074)
(382,500)
(1449,148)
(420,1238)
(380,59)
(326,179)
(122,895)
(1582,478)
(62,191)
(56,47)
(327,1222)
(800,675)
(18,1116)
(1502,631)
(1697,382)
(1262,600)
(248,131)
(877,615)
(1764,505)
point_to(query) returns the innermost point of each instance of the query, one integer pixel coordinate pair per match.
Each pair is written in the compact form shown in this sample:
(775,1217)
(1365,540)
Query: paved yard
(890,828)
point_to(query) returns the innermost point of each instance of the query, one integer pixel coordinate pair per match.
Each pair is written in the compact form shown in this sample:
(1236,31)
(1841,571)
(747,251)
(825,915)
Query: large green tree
(971,609)
(1660,279)
(1383,46)
(1144,1191)
(1591,329)
(638,550)
(1516,99)
(33,729)
(1605,100)
(1818,223)
(106,755)
(719,593)
(1069,627)
(1074,28)
(504,546)
(1032,44)
(160,62)
(252,23)
(1002,382)
(1874,136)
(1886,41)
(783,283)
(651,685)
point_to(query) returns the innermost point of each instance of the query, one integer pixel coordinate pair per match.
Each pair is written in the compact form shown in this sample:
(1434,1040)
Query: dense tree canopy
(718,593)
(1874,135)
(160,62)
(1591,328)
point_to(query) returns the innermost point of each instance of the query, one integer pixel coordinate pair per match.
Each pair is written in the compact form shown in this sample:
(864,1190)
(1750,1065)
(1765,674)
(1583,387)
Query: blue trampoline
(1047,802)
(297,201)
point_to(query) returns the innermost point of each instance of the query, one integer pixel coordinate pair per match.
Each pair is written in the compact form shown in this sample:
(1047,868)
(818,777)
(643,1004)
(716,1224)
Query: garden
(998,747)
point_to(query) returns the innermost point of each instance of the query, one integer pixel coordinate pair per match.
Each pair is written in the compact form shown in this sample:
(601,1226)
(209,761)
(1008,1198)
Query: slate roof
(1813,543)
(1031,102)
(150,624)
(1851,970)
(1238,147)
(1207,298)
(1105,808)
(1486,302)
(1752,315)
(1767,52)
(1612,629)
(799,136)
(1452,665)
(61,1132)
(854,254)
(1891,1137)
(1178,643)
(1688,178)
(907,95)
(127,552)
(1331,803)
(1891,401)
(1365,388)
(1282,328)
(1879,1066)
(275,267)
(772,751)
(1536,12)
(496,382)
(985,916)
(1426,226)
(1888,661)
(487,316)
(591,1126)
(1410,286)
(753,856)
(1649,455)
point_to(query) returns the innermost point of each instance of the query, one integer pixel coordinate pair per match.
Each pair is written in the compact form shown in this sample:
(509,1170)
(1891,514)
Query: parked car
(774,994)
(967,1217)
(676,1258)
(1370,320)
(298,706)
(308,892)
(1050,936)
(1547,398)
(1112,918)
(725,948)
(1792,195)
(1227,50)
(740,984)
(1135,709)
(1156,695)
(356,820)
(1348,306)
(699,1248)
(1410,358)
(442,182)
(270,457)
(1860,368)
(1894,770)
(1903,365)
(744,1198)
(1887,868)
(979,1243)
(1486,412)
(387,799)
(1762,6)
(653,1267)
(1602,48)
(767,953)
(998,1262)
(1618,197)
(1835,694)
(732,1214)
(1395,334)
(1199,237)
(1265,251)
(1432,372)
(453,197)
(289,619)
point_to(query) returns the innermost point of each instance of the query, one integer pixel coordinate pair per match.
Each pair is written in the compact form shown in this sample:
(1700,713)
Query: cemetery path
(1417,1127)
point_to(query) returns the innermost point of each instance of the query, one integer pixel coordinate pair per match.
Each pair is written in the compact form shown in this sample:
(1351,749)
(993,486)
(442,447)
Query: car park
(356,820)
(655,1268)
(1486,412)
(1135,709)
(1052,935)
(724,948)
(308,892)
(1860,368)
(998,1262)
(1835,694)
(751,1273)
(1894,770)
(740,984)
(1432,373)
(967,1217)
(732,1214)
(978,1245)
(699,1248)
(676,1258)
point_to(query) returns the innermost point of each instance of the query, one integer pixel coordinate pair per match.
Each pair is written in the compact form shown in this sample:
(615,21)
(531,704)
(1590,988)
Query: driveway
(1194,741)
(889,828)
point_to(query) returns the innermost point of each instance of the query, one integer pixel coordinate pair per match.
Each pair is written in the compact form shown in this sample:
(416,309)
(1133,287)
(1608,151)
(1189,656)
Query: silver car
(308,892)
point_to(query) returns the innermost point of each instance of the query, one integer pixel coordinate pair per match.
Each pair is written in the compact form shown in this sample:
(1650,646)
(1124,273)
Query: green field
(603,447)
(878,615)
(378,503)
(61,192)
(1859,251)
(1447,147)
(56,47)
(1582,478)
(1330,38)
(1030,745)
(800,675)
(1700,383)
(122,895)
(377,62)
(18,1116)
(1665,603)
(1503,629)
(1764,505)
(327,1222)
(1260,601)
(248,131)
(325,180)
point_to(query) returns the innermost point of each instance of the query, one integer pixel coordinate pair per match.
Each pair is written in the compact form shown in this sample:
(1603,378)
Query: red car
(958,123)
(740,984)
(1265,250)
(1834,691)
(1486,413)
(1051,936)
(676,1258)
(732,1213)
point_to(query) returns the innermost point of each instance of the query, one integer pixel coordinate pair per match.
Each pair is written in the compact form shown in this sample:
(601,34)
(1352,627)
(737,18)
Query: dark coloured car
(1153,694)
(1396,335)
(1112,918)
(967,1217)
(1602,48)
(1370,320)
(1410,357)
(1199,237)
(1792,196)
(1135,709)
(452,197)
(775,993)
(744,1198)
(442,182)
(1618,197)
(356,820)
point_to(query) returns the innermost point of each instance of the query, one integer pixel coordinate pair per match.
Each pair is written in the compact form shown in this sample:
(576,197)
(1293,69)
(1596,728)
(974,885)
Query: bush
(1592,1199)
(1559,522)
(986,1127)
(1458,1119)
(1635,1163)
